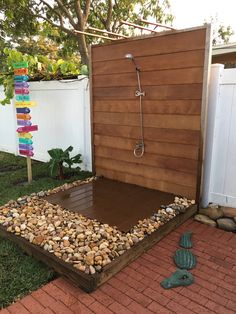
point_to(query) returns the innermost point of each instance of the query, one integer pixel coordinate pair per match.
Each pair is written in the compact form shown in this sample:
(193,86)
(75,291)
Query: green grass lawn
(20,273)
(13,176)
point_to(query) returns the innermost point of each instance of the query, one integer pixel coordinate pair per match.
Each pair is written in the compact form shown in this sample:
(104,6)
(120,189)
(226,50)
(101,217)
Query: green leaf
(84,70)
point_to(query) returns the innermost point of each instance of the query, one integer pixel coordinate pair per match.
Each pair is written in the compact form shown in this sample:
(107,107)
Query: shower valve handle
(139,93)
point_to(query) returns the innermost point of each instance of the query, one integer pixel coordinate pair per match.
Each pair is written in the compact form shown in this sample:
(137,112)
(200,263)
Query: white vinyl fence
(219,184)
(63,117)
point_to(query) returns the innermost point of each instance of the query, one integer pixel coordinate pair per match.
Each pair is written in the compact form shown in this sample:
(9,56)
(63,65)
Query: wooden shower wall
(172,72)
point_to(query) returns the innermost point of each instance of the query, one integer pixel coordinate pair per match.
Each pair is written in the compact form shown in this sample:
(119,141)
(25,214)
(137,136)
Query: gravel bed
(85,243)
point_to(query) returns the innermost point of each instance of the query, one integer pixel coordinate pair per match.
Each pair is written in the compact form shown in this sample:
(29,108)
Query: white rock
(23,227)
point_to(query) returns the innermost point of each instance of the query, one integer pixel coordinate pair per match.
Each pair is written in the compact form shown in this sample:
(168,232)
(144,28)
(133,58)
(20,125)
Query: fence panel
(7,127)
(220,167)
(63,116)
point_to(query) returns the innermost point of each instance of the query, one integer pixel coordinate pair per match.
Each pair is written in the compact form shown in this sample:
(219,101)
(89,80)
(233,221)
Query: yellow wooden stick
(29,169)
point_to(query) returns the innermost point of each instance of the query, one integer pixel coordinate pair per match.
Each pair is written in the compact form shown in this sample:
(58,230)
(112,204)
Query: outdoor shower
(139,147)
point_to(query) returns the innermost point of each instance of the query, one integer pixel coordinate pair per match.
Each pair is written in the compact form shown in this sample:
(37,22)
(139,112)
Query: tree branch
(61,26)
(99,16)
(109,15)
(67,13)
(79,14)
(86,11)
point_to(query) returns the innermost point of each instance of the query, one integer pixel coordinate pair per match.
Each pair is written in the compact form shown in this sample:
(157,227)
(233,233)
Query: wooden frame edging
(145,36)
(90,282)
(204,110)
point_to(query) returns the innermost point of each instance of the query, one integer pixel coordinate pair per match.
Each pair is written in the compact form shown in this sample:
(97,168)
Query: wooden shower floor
(112,202)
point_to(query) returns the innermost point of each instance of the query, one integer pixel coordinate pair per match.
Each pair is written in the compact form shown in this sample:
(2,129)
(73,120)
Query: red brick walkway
(136,289)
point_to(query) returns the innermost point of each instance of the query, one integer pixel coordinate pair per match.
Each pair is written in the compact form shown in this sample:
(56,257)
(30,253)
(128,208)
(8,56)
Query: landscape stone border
(218,216)
(87,244)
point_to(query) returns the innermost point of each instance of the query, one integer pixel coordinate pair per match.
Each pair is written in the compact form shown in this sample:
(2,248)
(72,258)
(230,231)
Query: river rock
(17,229)
(38,239)
(92,270)
(213,205)
(205,219)
(229,212)
(66,243)
(212,212)
(41,194)
(23,227)
(226,224)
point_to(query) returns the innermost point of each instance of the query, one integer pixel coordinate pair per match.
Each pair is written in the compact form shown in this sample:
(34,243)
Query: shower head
(131,57)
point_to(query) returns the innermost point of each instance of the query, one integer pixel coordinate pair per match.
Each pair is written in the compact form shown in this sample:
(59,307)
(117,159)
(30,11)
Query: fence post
(213,102)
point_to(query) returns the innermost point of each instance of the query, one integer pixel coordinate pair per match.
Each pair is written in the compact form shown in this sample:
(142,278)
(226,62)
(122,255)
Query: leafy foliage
(23,18)
(223,34)
(220,33)
(42,32)
(60,157)
(40,68)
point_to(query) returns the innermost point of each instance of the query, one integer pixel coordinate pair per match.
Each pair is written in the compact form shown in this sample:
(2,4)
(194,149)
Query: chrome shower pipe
(139,148)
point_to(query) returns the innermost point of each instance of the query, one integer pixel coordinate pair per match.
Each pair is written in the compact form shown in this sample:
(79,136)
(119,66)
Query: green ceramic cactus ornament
(185,259)
(186,240)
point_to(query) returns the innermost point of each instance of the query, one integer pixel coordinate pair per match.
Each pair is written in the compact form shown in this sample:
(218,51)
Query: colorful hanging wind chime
(23,105)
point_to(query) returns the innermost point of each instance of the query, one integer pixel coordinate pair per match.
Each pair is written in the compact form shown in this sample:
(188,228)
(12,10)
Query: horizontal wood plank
(189,137)
(155,160)
(163,77)
(177,189)
(161,121)
(179,60)
(172,42)
(190,107)
(165,92)
(158,174)
(152,147)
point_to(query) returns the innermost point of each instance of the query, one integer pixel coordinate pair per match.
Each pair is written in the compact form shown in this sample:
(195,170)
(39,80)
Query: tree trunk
(83,50)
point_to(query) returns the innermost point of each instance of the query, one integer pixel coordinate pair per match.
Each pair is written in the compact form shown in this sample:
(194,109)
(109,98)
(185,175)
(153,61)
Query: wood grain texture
(152,78)
(161,121)
(154,159)
(163,92)
(152,147)
(189,107)
(179,60)
(172,71)
(154,173)
(189,137)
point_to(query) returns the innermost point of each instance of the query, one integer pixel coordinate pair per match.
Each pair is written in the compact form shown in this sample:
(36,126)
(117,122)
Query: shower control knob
(139,93)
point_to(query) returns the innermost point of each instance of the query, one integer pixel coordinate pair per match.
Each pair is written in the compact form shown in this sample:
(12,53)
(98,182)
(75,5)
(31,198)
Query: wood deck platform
(112,202)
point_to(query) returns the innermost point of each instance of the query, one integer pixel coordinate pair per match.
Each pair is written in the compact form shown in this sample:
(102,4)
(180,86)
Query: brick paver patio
(136,289)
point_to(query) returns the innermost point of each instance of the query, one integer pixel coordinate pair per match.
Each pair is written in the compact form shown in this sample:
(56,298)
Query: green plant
(64,17)
(40,68)
(60,157)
